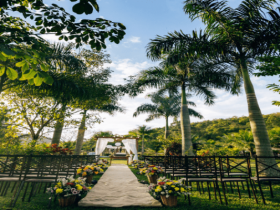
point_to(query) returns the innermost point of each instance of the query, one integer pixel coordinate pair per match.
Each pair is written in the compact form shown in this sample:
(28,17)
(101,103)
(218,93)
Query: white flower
(162,193)
(167,196)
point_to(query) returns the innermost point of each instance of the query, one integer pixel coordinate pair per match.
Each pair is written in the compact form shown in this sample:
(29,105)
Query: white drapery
(101,145)
(130,145)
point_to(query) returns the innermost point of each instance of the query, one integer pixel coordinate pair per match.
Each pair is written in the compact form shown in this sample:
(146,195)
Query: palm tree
(192,76)
(164,106)
(242,35)
(109,108)
(143,131)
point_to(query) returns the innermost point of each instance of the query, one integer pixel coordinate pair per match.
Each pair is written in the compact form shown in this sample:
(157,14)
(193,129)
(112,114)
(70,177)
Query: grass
(199,202)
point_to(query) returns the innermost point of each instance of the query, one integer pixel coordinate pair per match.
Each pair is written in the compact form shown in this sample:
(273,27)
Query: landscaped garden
(72,92)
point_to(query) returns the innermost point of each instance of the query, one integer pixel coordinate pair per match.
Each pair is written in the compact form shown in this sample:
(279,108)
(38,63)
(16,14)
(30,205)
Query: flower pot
(89,179)
(170,201)
(66,201)
(153,179)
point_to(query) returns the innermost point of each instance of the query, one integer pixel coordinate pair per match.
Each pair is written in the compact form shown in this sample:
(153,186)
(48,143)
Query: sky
(144,20)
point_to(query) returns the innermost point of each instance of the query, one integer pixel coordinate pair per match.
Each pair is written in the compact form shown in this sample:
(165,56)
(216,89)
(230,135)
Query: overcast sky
(144,20)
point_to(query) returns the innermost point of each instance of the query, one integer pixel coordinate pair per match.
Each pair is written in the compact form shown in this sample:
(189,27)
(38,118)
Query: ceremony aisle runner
(118,187)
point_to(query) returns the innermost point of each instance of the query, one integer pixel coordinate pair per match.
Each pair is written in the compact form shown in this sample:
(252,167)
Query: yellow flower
(89,188)
(159,188)
(79,187)
(79,171)
(182,189)
(175,181)
(85,168)
(159,180)
(96,172)
(173,186)
(154,168)
(101,170)
(58,191)
(170,191)
(169,183)
(77,181)
(84,174)
(59,184)
(177,188)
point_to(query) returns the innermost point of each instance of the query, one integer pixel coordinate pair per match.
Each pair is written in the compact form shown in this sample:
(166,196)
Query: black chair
(235,169)
(267,171)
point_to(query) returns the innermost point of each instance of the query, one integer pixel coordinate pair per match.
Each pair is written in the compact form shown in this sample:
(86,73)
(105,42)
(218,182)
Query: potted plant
(88,172)
(168,190)
(67,190)
(152,173)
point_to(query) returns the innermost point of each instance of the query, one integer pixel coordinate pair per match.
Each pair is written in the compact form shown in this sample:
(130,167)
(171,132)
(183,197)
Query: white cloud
(134,39)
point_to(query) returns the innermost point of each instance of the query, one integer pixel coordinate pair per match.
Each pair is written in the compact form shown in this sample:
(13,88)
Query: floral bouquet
(168,189)
(69,189)
(69,186)
(152,170)
(105,161)
(88,171)
(56,150)
(138,164)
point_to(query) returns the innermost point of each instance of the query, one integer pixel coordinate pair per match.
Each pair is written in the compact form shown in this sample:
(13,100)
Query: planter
(153,179)
(89,179)
(66,201)
(170,201)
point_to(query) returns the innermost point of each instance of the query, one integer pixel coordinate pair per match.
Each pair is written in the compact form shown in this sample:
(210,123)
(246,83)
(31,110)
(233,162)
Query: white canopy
(101,145)
(130,145)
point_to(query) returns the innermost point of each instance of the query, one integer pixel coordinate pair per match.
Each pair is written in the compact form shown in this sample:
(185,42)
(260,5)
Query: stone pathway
(119,187)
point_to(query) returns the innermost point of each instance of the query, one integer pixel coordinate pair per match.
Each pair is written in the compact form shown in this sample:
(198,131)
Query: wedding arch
(130,144)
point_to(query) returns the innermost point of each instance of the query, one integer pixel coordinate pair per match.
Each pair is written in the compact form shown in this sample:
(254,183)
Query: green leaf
(31,81)
(95,5)
(44,67)
(2,70)
(21,63)
(38,80)
(78,8)
(30,74)
(121,26)
(48,80)
(25,67)
(2,57)
(11,73)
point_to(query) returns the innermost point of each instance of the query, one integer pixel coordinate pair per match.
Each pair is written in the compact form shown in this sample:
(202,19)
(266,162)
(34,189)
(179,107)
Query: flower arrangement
(138,164)
(55,150)
(152,170)
(66,187)
(168,188)
(88,170)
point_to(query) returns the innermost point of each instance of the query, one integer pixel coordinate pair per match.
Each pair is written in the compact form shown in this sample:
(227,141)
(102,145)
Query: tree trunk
(142,145)
(185,125)
(166,128)
(261,139)
(59,126)
(81,134)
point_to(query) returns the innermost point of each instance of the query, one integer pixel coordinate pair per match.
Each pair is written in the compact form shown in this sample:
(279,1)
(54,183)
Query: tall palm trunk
(81,134)
(185,125)
(261,139)
(142,145)
(166,128)
(59,126)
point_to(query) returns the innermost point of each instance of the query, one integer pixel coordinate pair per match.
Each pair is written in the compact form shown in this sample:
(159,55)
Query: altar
(130,145)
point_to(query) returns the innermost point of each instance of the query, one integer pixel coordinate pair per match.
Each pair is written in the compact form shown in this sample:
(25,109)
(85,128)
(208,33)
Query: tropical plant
(164,106)
(143,131)
(240,36)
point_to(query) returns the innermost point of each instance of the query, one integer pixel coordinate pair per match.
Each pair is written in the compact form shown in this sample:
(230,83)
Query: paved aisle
(119,187)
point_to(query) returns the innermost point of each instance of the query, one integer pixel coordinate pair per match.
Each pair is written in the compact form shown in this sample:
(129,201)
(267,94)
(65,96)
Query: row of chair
(221,170)
(37,170)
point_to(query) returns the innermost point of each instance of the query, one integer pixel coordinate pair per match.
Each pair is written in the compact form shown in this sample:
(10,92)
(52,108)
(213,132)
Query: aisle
(118,187)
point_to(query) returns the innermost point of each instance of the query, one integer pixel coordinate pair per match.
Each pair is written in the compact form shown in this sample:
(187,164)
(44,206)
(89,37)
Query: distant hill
(215,129)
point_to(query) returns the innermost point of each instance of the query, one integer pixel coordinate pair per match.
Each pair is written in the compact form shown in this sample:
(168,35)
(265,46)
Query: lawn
(40,201)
